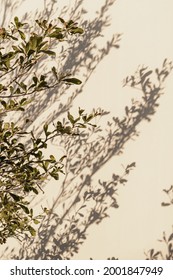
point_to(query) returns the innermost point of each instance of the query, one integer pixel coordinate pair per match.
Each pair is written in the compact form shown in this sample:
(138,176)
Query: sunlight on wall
(146,28)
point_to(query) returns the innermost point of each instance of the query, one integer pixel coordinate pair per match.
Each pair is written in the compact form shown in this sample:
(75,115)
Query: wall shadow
(80,202)
(165,252)
(7,9)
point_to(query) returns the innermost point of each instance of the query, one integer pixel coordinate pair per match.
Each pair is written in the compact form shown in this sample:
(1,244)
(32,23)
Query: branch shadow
(166,242)
(82,203)
(81,58)
(7,9)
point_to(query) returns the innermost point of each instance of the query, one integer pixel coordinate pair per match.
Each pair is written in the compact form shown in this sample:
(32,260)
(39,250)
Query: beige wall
(146,28)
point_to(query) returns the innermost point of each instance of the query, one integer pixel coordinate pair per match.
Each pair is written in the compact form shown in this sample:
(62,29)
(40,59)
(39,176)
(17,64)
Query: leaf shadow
(82,202)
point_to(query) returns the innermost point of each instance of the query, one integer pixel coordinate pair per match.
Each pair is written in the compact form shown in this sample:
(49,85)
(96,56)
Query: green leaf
(6,135)
(49,52)
(54,175)
(23,86)
(72,81)
(3,103)
(21,146)
(76,30)
(22,35)
(12,37)
(47,211)
(34,41)
(21,58)
(16,49)
(16,20)
(90,117)
(53,159)
(15,197)
(70,22)
(61,20)
(36,222)
(30,52)
(7,63)
(42,45)
(23,101)
(35,190)
(84,118)
(25,209)
(39,23)
(45,127)
(62,158)
(35,80)
(81,125)
(41,85)
(71,118)
(45,165)
(81,111)
(5,200)
(32,231)
(57,35)
(42,78)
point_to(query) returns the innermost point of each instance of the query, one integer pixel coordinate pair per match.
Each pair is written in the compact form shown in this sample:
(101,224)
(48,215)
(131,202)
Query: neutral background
(146,28)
